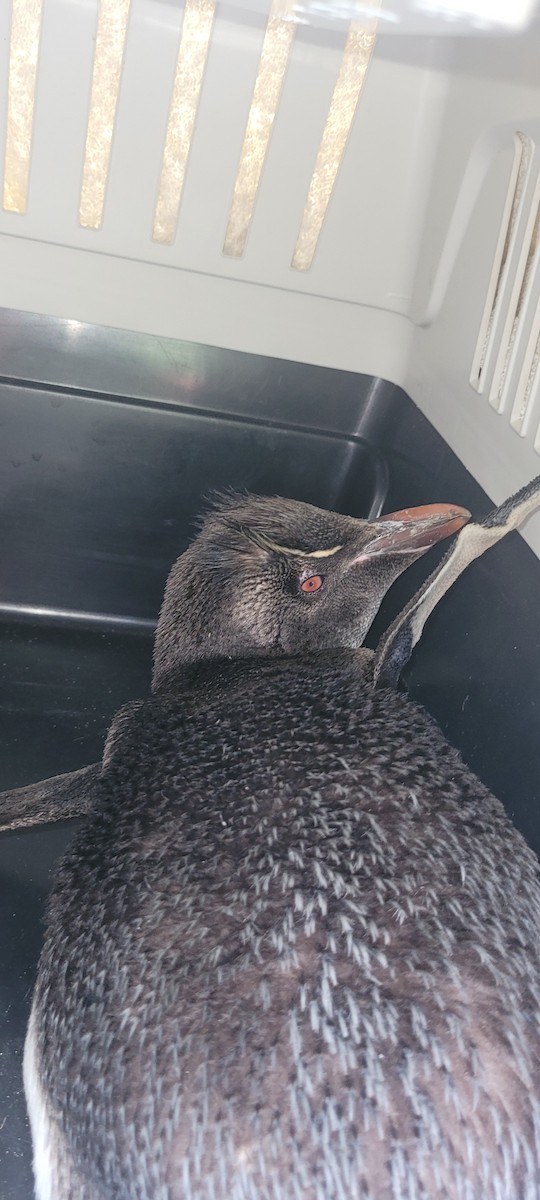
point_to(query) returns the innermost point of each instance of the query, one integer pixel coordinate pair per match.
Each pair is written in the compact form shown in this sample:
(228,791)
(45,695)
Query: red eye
(312,584)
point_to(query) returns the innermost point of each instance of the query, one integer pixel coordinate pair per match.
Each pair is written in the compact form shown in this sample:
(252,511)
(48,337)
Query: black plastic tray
(98,495)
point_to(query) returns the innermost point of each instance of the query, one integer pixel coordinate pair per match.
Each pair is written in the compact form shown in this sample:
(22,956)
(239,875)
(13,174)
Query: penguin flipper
(54,799)
(397,644)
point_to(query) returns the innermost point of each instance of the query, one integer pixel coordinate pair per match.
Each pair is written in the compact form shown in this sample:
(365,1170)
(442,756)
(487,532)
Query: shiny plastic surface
(92,544)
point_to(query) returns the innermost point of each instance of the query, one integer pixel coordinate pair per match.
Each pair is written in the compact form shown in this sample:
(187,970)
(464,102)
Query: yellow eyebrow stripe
(322,553)
(299,553)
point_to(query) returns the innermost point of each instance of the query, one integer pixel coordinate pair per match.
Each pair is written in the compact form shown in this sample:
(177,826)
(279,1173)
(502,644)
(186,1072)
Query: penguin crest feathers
(291,528)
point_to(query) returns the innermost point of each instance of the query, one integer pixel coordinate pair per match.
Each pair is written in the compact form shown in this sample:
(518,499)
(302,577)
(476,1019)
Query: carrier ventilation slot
(507,359)
(273,63)
(197,25)
(526,401)
(108,57)
(518,307)
(507,237)
(112,46)
(276,49)
(347,92)
(23,58)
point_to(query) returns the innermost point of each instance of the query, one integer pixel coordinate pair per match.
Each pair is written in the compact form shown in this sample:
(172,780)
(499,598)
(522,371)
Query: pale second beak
(414,530)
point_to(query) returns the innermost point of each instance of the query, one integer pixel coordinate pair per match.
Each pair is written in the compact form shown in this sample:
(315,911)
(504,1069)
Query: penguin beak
(414,530)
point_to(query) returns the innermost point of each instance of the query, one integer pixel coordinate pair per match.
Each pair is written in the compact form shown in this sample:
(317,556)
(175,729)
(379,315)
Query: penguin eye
(312,583)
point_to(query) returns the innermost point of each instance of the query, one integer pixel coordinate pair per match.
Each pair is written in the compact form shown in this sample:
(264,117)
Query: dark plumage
(230,593)
(294,952)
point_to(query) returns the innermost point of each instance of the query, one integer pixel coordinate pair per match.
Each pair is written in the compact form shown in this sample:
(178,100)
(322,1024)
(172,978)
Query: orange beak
(415,530)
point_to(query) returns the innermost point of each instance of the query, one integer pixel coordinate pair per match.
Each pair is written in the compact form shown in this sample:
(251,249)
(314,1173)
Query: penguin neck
(198,680)
(177,660)
(191,630)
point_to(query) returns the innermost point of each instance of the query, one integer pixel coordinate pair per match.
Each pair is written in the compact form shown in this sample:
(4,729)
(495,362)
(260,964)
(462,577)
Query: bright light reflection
(276,49)
(192,54)
(23,57)
(350,81)
(108,57)
(512,13)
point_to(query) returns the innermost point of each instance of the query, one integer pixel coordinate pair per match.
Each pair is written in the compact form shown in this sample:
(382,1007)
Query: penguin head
(272,576)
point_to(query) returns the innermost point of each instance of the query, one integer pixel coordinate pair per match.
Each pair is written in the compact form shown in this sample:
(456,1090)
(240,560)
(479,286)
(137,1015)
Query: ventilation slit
(23,59)
(525,399)
(508,347)
(518,309)
(527,388)
(275,54)
(197,25)
(108,58)
(507,236)
(357,56)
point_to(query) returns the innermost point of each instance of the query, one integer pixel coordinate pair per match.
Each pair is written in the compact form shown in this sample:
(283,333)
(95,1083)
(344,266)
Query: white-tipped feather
(42,1133)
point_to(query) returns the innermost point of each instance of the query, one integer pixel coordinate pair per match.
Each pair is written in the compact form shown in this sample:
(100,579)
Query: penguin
(293,952)
(179,637)
(397,644)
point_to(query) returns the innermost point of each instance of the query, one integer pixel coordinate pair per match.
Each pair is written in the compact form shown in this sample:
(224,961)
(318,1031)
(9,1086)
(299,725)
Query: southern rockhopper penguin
(222,566)
(294,951)
(275,576)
